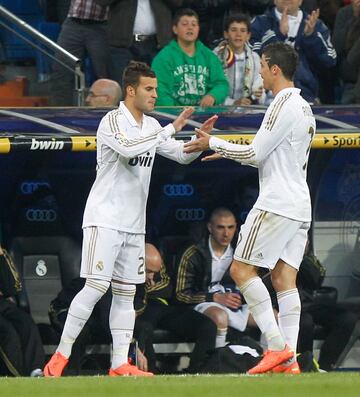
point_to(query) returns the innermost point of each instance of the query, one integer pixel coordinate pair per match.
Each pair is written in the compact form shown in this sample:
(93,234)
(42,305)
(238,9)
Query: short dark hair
(184,11)
(239,18)
(220,211)
(284,56)
(133,72)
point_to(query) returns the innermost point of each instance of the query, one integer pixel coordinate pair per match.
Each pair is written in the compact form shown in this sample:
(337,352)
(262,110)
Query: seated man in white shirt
(204,280)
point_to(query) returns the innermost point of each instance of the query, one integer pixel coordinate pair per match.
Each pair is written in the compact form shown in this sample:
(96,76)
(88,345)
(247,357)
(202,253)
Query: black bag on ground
(225,361)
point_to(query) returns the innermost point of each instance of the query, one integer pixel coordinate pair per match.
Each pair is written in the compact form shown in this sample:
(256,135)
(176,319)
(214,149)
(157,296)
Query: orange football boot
(271,359)
(128,370)
(56,365)
(292,368)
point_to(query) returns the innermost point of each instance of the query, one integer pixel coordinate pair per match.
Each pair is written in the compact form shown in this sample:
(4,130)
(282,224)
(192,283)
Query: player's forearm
(244,154)
(130,148)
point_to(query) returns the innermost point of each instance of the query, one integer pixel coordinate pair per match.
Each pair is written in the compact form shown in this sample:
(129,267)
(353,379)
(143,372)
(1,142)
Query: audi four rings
(190,214)
(178,190)
(40,215)
(29,187)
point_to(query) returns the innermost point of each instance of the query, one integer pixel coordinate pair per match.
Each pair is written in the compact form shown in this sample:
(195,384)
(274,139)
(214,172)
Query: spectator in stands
(21,349)
(310,37)
(83,32)
(240,63)
(328,10)
(346,38)
(211,18)
(337,322)
(203,277)
(137,30)
(104,92)
(188,72)
(153,306)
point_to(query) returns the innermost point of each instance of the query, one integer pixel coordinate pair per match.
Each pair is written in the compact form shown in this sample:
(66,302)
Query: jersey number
(312,133)
(141,268)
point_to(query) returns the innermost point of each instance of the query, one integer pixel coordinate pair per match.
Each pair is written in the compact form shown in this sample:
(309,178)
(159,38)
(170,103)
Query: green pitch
(306,385)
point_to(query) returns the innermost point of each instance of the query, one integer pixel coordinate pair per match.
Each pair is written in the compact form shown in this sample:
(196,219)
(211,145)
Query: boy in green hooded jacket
(188,72)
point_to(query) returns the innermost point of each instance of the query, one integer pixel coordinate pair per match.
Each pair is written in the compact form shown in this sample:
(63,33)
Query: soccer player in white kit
(114,218)
(275,232)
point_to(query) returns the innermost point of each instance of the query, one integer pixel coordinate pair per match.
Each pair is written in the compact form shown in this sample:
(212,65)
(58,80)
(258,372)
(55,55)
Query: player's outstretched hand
(208,124)
(199,144)
(183,118)
(212,157)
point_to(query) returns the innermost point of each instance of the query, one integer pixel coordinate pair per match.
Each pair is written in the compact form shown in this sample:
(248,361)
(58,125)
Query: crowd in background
(113,32)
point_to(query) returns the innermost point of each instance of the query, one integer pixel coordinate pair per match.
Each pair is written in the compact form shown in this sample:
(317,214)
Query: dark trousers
(141,51)
(21,349)
(338,326)
(185,323)
(80,40)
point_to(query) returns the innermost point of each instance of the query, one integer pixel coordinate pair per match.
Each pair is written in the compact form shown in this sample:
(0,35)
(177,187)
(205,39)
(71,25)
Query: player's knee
(218,316)
(123,292)
(241,272)
(96,288)
(282,282)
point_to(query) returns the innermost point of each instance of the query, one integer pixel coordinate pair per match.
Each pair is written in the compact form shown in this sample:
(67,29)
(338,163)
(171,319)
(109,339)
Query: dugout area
(47,162)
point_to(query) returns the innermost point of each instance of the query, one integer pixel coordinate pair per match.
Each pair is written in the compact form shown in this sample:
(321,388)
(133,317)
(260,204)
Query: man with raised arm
(274,234)
(114,218)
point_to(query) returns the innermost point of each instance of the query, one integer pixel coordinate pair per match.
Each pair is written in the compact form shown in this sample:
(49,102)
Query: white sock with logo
(258,299)
(122,320)
(289,316)
(79,312)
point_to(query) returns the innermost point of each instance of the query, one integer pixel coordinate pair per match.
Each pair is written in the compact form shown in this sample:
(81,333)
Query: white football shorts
(111,254)
(237,320)
(266,237)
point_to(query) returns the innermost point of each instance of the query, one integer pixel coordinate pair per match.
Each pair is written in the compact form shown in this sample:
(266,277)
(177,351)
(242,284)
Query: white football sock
(289,316)
(122,320)
(79,312)
(220,340)
(258,299)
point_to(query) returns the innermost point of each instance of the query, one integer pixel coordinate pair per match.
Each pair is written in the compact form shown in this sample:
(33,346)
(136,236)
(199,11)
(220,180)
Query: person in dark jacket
(137,30)
(203,280)
(21,349)
(310,37)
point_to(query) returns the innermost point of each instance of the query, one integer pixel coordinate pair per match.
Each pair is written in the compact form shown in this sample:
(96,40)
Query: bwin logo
(190,214)
(39,215)
(52,144)
(178,190)
(143,161)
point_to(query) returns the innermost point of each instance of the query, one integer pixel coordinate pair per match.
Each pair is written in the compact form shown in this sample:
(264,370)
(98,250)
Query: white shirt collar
(128,115)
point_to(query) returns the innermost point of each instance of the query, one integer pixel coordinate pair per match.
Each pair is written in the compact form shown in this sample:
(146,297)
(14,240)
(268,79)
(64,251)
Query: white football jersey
(280,150)
(125,157)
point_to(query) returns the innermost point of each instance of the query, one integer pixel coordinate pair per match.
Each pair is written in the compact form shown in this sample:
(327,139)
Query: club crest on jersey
(142,161)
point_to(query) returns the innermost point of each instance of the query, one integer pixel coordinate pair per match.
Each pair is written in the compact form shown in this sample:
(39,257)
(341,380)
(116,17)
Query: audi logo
(178,190)
(29,187)
(39,215)
(190,214)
